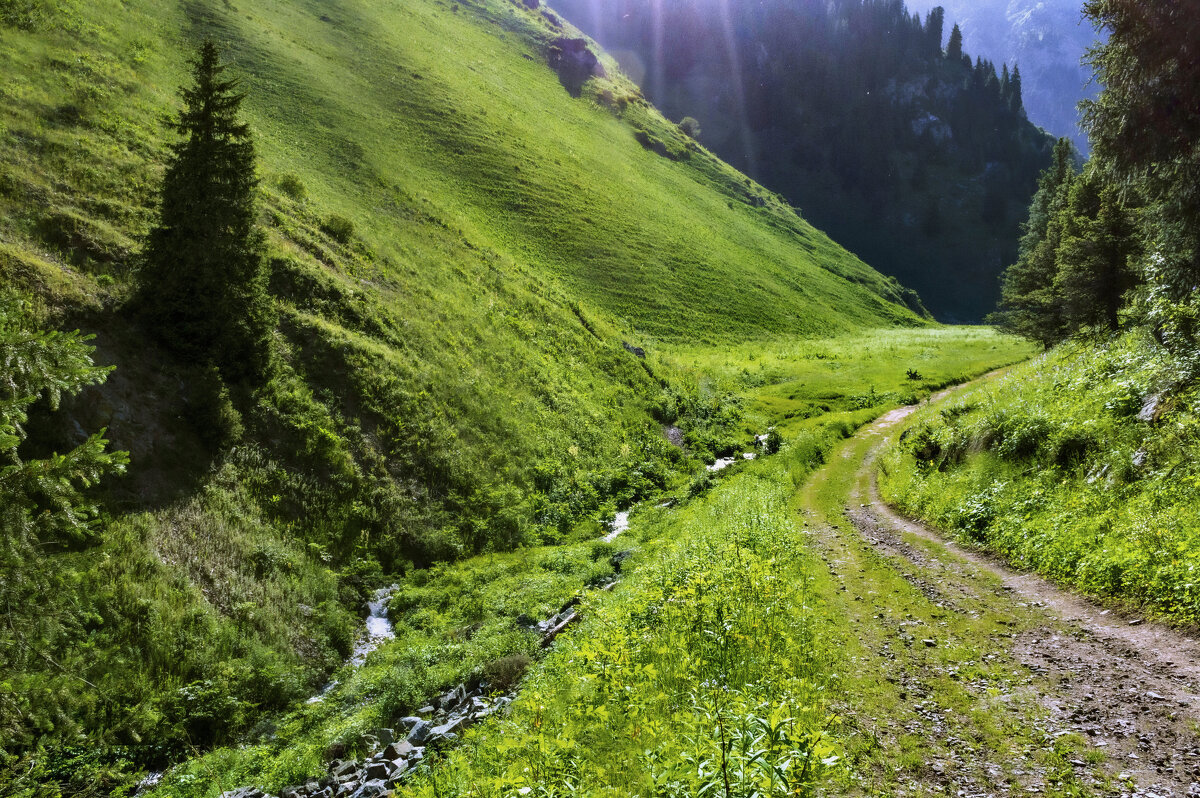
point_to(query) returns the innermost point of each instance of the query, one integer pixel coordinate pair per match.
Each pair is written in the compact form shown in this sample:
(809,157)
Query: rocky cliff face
(1046,38)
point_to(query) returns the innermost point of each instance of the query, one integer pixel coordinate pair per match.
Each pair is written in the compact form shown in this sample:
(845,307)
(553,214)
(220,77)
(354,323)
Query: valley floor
(963,677)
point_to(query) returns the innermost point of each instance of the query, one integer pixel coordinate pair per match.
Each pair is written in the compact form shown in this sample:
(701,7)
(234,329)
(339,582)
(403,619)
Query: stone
(929,642)
(449,727)
(399,766)
(412,720)
(385,736)
(379,770)
(399,750)
(420,732)
(339,768)
(574,62)
(428,709)
(371,789)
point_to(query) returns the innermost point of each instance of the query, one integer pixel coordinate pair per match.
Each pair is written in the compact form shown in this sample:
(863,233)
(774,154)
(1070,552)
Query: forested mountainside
(874,122)
(478,241)
(1048,39)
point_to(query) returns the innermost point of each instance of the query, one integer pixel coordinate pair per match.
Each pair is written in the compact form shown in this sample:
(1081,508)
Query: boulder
(574,62)
(420,732)
(400,750)
(371,789)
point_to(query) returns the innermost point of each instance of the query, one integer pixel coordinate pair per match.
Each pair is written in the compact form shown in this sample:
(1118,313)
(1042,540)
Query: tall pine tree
(204,278)
(1028,305)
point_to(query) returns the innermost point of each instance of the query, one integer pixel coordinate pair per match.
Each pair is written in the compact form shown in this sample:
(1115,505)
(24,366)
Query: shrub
(292,186)
(502,675)
(774,441)
(689,127)
(339,228)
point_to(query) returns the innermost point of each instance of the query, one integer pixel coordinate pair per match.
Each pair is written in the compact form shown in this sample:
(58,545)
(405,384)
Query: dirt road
(993,682)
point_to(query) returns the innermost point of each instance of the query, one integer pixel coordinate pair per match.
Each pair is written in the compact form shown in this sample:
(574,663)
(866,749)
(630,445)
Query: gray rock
(478,703)
(339,769)
(399,766)
(400,750)
(371,789)
(426,710)
(347,788)
(1150,408)
(385,736)
(419,733)
(379,770)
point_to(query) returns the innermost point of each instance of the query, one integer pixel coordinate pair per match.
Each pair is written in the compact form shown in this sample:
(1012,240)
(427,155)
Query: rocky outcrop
(575,63)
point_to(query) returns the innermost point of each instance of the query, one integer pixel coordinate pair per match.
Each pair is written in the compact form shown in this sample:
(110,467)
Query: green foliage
(44,509)
(204,280)
(339,228)
(690,127)
(702,674)
(1057,467)
(1142,128)
(442,381)
(1075,265)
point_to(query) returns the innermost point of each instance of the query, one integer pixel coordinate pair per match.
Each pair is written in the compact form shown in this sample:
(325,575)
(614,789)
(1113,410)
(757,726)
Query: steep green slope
(459,249)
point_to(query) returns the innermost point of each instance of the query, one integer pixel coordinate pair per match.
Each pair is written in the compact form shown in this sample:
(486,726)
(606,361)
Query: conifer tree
(1015,101)
(935,22)
(1028,304)
(42,508)
(1094,271)
(204,278)
(954,48)
(1143,129)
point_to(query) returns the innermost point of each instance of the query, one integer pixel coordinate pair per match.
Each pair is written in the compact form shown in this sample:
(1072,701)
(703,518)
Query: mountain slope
(919,161)
(461,241)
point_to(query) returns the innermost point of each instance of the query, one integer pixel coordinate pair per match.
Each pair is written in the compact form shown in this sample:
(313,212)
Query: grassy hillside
(1079,465)
(461,241)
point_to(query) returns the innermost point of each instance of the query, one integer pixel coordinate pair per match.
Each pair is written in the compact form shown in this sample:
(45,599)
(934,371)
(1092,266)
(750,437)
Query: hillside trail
(968,678)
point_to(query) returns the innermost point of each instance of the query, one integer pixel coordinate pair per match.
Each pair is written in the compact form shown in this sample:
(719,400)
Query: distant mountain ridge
(1047,38)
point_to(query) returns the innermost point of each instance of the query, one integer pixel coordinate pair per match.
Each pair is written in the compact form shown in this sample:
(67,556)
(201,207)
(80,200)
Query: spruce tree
(1028,304)
(1100,239)
(1015,101)
(204,278)
(43,509)
(1143,128)
(954,48)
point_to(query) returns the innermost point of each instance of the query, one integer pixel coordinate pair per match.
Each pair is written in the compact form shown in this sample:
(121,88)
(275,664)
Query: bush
(339,228)
(502,675)
(689,127)
(292,186)
(774,441)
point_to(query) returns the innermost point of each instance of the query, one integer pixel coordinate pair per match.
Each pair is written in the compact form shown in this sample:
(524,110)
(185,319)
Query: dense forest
(1047,39)
(877,124)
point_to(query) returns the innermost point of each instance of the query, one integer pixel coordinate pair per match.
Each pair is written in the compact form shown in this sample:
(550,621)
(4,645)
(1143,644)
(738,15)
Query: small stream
(378,630)
(620,523)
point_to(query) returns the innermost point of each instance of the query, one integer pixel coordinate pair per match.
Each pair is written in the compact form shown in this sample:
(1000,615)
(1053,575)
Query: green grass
(459,249)
(1051,467)
(787,382)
